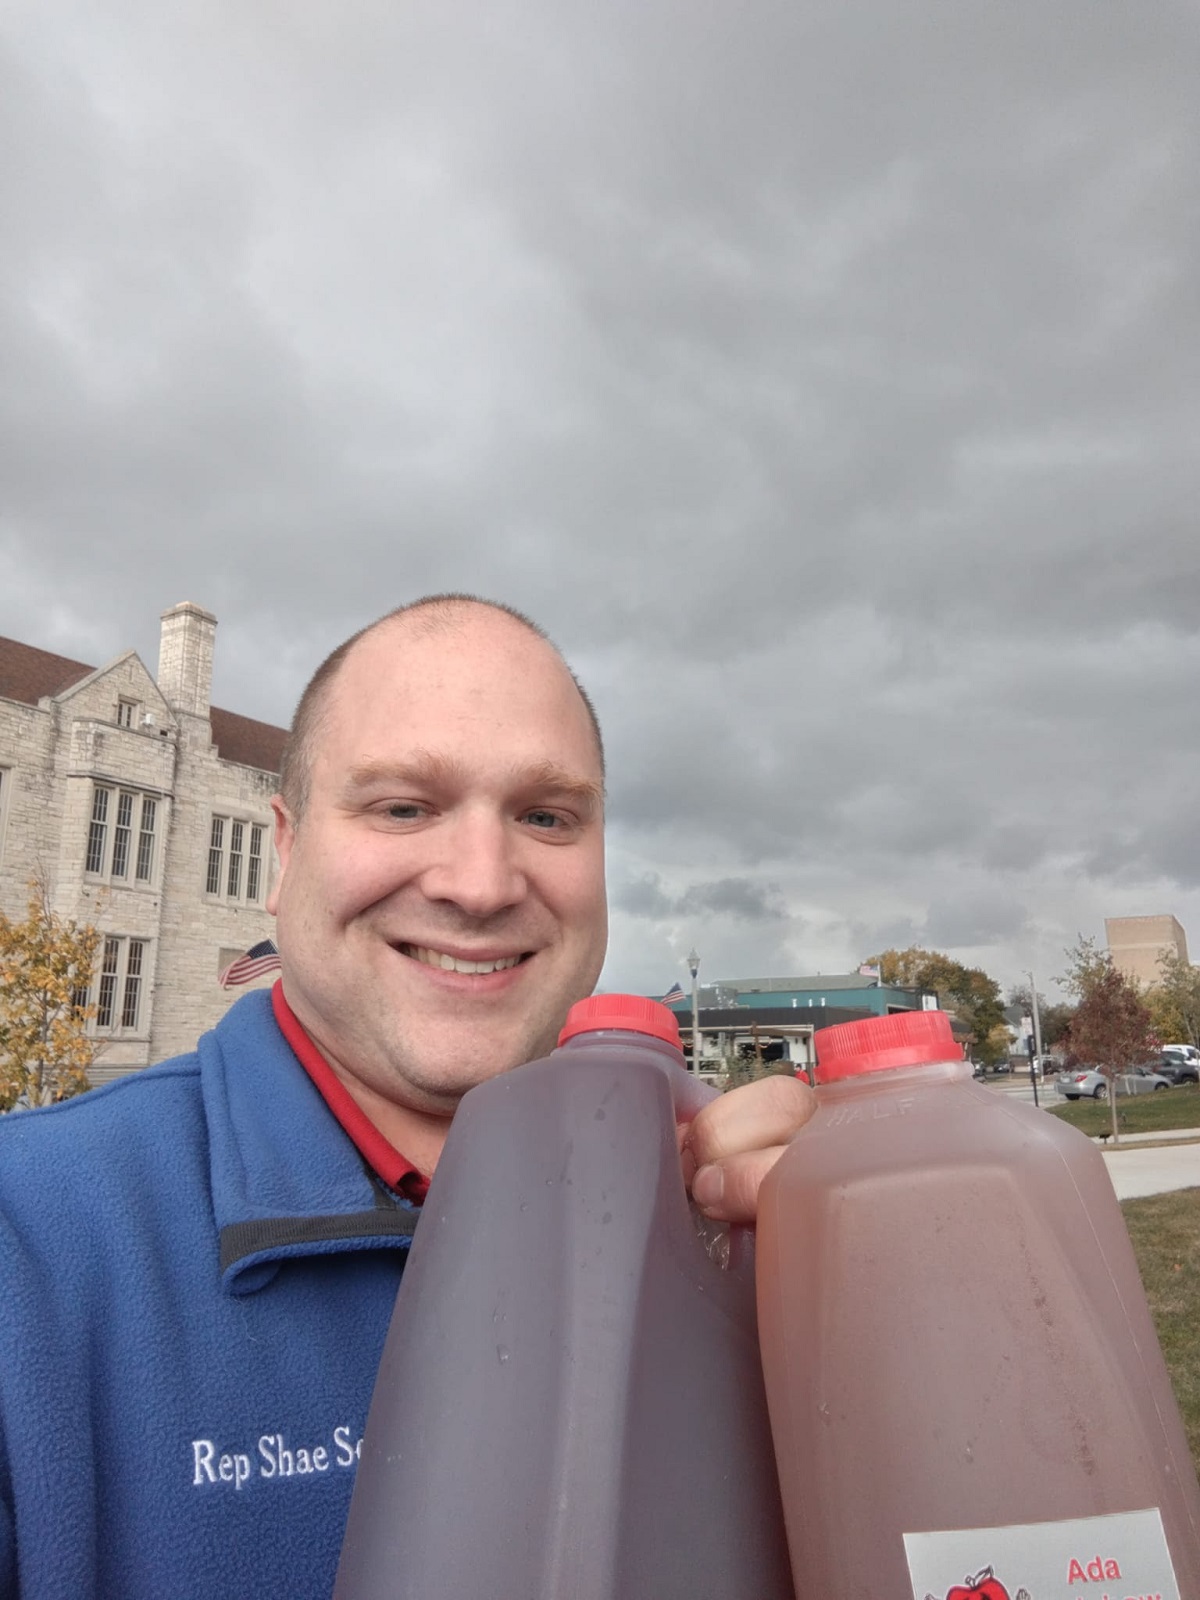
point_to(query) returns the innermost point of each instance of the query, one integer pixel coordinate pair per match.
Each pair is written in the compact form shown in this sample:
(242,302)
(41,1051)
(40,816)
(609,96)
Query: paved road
(1142,1165)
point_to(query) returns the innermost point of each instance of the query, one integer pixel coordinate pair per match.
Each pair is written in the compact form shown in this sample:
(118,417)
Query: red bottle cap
(631,1013)
(905,1039)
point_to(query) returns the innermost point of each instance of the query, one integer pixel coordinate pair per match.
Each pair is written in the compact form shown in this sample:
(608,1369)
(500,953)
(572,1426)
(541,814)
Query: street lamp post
(1035,1066)
(693,962)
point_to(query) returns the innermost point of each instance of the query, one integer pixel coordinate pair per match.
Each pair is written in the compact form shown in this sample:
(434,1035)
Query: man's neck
(400,1142)
(419,1134)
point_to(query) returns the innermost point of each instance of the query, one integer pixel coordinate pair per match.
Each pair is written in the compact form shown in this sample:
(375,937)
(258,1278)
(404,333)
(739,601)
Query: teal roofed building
(777,1017)
(841,991)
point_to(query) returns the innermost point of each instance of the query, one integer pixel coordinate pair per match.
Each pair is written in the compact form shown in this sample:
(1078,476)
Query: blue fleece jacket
(196,1277)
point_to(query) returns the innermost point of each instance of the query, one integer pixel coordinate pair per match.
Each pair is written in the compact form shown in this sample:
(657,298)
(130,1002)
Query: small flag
(868,971)
(260,958)
(673,994)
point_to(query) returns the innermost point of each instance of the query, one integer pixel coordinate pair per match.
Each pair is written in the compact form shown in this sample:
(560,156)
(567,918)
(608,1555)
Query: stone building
(1136,943)
(145,810)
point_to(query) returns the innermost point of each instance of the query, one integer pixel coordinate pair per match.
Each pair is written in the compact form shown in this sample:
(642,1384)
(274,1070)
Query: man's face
(441,902)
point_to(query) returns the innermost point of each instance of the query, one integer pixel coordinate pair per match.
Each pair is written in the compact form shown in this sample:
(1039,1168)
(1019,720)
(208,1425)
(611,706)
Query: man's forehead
(405,659)
(435,635)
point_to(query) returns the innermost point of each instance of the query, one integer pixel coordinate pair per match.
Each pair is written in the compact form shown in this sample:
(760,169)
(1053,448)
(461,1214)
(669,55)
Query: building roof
(740,1019)
(241,739)
(802,985)
(29,675)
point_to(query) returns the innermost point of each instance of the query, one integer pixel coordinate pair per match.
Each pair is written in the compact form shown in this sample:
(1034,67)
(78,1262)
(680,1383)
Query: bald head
(434,614)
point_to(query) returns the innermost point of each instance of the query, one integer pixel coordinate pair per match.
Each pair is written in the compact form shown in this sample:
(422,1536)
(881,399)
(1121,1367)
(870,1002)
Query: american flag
(673,994)
(258,959)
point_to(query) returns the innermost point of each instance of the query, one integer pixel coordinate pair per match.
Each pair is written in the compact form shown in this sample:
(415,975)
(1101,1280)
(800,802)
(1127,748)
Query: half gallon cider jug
(570,1402)
(966,1391)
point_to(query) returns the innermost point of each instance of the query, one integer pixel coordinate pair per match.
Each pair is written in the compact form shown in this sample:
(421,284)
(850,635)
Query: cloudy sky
(825,378)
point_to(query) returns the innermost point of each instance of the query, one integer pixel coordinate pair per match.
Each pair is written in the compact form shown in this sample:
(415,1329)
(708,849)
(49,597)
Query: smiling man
(441,837)
(200,1261)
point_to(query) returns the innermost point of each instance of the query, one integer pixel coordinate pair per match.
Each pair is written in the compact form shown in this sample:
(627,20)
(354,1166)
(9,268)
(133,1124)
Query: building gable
(123,679)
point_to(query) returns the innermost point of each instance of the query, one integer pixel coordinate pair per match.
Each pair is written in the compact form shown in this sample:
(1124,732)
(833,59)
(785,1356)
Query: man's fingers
(727,1190)
(757,1116)
(735,1141)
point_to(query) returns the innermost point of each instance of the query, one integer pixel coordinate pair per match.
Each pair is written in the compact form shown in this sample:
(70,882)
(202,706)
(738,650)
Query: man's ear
(285,838)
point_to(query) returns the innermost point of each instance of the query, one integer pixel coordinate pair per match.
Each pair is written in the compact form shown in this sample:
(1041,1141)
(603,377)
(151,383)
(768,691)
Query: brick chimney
(185,658)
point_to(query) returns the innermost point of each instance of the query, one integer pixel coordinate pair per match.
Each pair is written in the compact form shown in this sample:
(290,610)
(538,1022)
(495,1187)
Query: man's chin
(438,1093)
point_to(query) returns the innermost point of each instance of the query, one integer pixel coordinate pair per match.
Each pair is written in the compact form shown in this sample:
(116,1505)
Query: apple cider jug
(570,1402)
(966,1390)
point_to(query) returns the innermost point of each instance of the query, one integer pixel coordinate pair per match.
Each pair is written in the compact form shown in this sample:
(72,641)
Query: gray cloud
(740,898)
(826,384)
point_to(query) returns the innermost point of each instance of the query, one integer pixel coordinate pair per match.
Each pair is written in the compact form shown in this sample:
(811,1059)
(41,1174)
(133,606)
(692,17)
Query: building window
(119,990)
(98,831)
(126,713)
(216,846)
(145,856)
(120,854)
(133,983)
(236,834)
(235,860)
(119,817)
(106,1000)
(254,864)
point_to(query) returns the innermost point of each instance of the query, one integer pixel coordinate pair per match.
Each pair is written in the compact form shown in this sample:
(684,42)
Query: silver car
(1089,1083)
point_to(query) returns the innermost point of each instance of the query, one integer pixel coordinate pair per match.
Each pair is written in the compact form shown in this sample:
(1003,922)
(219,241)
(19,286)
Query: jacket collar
(286,1180)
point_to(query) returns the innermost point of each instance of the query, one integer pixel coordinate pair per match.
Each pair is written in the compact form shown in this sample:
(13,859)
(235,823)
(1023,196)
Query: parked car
(1142,1080)
(1088,1082)
(1182,1052)
(1178,1069)
(1083,1081)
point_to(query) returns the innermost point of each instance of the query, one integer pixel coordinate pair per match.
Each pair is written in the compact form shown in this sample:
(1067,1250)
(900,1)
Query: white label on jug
(1122,1557)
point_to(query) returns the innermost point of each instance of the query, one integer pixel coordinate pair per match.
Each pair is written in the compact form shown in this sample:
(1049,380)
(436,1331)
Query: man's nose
(477,866)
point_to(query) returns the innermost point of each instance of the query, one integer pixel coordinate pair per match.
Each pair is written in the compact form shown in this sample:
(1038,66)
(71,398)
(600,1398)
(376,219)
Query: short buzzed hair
(438,614)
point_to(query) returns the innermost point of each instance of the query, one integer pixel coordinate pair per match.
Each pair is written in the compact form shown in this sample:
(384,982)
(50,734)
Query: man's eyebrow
(548,778)
(422,766)
(542,779)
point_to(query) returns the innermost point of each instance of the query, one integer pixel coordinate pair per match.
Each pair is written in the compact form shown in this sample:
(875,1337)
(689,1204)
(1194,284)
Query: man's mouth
(449,963)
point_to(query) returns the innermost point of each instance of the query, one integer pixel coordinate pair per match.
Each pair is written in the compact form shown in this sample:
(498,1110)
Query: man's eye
(403,810)
(545,819)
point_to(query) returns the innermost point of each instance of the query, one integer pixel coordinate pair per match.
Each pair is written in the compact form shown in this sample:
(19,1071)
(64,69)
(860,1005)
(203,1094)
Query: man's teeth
(437,958)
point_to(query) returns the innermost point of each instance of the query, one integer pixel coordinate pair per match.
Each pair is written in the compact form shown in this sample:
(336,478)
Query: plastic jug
(966,1390)
(570,1402)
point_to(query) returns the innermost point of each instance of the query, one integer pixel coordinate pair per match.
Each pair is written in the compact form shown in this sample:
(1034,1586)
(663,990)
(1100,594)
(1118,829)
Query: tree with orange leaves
(46,964)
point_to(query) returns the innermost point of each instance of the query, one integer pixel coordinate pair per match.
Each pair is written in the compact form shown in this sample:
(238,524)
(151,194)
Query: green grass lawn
(1138,1113)
(1165,1229)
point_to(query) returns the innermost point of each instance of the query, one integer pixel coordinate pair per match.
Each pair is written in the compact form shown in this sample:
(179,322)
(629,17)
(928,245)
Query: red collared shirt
(379,1153)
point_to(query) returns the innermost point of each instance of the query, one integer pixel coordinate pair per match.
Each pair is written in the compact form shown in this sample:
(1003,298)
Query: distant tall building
(1136,943)
(146,811)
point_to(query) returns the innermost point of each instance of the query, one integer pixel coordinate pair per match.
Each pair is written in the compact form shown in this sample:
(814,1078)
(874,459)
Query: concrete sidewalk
(1139,1168)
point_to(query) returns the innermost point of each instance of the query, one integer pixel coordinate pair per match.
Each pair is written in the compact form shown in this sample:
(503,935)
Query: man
(199,1262)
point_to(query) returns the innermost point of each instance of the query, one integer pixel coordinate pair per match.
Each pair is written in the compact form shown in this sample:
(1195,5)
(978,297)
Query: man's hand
(734,1141)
